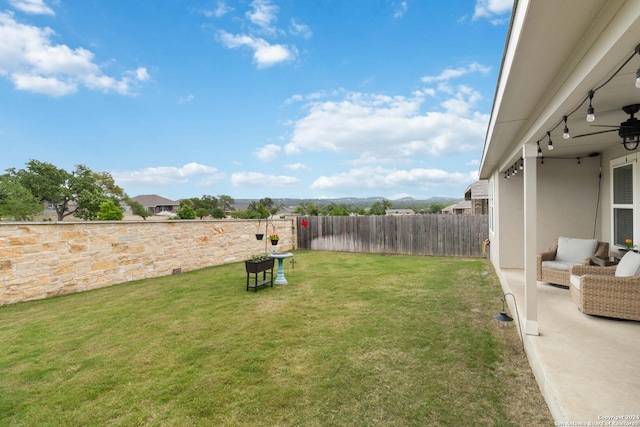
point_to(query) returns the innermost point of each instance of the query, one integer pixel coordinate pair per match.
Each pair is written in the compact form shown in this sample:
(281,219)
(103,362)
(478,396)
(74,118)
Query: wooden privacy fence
(434,234)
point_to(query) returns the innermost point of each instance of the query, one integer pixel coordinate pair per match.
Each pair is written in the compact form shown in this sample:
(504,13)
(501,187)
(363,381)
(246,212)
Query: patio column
(530,153)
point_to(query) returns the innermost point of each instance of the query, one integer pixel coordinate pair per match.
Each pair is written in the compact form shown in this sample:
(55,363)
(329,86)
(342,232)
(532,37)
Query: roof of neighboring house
(153,200)
(477,190)
(465,204)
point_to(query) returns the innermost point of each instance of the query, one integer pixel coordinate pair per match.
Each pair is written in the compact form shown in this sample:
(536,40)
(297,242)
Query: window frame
(615,164)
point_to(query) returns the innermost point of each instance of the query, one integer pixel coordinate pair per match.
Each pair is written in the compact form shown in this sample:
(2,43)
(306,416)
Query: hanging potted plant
(259,235)
(274,239)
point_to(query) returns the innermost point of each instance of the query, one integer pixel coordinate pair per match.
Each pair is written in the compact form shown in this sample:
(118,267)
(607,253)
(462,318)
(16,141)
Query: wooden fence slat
(432,234)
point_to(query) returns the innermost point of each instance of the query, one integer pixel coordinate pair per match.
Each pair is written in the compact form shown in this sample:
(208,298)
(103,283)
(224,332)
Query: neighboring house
(50,208)
(478,195)
(400,212)
(561,58)
(157,205)
(461,208)
(476,201)
(286,212)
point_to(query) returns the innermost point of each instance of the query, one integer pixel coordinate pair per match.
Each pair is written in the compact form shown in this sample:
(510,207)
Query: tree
(109,211)
(335,209)
(270,205)
(437,207)
(46,183)
(138,209)
(186,211)
(91,189)
(201,213)
(255,210)
(16,202)
(360,210)
(207,206)
(379,208)
(54,185)
(226,203)
(218,213)
(307,208)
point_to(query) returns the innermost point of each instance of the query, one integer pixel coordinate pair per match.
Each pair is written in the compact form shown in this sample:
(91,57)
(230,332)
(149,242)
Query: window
(622,204)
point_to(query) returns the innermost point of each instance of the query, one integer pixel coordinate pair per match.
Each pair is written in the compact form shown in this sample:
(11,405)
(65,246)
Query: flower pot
(259,236)
(274,242)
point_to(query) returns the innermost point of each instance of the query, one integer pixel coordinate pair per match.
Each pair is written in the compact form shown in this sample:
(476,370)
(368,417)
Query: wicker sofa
(554,265)
(598,291)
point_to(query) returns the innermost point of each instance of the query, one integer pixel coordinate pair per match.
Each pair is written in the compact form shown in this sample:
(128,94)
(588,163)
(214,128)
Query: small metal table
(280,256)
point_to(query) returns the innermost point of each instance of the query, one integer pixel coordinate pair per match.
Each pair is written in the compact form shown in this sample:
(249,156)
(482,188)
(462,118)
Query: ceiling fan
(628,130)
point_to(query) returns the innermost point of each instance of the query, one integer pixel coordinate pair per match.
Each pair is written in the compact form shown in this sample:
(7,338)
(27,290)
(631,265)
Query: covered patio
(567,87)
(586,366)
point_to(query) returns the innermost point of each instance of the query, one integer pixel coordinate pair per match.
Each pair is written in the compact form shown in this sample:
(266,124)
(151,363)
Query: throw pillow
(629,265)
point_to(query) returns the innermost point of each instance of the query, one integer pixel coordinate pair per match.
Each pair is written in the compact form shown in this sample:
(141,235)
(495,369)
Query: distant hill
(405,202)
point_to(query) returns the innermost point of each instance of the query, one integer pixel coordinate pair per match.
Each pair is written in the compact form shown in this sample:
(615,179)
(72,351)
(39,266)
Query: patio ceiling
(556,52)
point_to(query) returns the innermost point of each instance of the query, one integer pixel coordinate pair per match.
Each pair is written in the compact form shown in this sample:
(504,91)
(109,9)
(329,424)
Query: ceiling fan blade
(594,133)
(606,126)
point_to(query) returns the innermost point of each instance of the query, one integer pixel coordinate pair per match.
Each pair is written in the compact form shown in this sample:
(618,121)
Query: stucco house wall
(567,206)
(568,200)
(510,224)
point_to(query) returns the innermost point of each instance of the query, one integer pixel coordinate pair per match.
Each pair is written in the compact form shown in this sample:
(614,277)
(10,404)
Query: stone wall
(39,260)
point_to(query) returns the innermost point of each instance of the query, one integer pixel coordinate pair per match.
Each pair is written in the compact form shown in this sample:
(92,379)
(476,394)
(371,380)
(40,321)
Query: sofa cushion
(576,250)
(629,265)
(559,265)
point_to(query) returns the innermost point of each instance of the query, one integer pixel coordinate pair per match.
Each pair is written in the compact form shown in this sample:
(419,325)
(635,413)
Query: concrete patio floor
(587,367)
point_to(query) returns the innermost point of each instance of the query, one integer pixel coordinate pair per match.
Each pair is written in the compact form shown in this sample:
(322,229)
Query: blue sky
(254,98)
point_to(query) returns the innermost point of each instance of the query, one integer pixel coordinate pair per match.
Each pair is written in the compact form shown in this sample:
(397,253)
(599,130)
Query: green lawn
(352,340)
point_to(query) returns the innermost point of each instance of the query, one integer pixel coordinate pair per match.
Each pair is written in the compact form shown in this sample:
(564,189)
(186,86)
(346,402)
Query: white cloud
(452,73)
(268,152)
(401,9)
(379,178)
(35,7)
(255,179)
(263,14)
(294,98)
(186,99)
(374,131)
(383,129)
(167,175)
(313,96)
(258,31)
(45,85)
(297,166)
(142,74)
(221,9)
(493,10)
(302,30)
(462,101)
(264,54)
(33,63)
